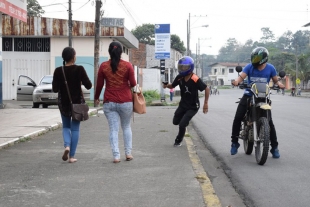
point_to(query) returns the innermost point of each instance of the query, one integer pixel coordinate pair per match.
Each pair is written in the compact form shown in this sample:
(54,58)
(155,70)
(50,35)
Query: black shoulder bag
(79,111)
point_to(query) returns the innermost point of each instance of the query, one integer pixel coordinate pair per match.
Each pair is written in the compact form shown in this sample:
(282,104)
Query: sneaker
(234,148)
(275,152)
(176,144)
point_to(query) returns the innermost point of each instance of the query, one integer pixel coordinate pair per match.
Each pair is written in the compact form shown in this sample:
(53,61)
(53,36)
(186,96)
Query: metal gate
(34,65)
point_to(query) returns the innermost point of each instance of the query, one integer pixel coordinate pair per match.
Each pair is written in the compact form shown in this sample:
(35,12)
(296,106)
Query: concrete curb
(39,132)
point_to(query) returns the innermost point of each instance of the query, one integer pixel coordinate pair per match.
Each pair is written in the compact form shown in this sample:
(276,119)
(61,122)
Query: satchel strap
(63,71)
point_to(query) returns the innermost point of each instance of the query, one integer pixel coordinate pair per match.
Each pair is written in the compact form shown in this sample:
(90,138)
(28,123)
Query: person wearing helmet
(189,105)
(257,71)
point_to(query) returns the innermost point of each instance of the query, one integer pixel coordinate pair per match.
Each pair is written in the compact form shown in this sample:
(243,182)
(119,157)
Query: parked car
(41,94)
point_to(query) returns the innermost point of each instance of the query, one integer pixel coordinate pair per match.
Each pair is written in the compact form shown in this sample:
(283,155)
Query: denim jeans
(171,96)
(116,114)
(70,133)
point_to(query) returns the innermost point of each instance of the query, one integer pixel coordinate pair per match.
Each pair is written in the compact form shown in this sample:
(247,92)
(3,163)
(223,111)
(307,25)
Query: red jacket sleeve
(100,82)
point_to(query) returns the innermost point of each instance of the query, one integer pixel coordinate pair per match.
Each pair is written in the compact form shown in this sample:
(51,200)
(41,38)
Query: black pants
(240,113)
(182,118)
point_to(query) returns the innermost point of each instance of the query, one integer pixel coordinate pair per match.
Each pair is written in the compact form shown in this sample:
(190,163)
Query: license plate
(52,97)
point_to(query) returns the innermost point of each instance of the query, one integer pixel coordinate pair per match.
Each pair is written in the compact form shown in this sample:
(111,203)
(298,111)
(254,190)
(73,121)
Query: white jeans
(119,113)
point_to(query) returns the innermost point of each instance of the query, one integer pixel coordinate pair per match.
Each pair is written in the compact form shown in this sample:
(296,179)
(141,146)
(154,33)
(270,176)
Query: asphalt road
(280,182)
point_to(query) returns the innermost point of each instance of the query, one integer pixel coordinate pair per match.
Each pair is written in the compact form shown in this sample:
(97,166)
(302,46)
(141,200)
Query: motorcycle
(255,129)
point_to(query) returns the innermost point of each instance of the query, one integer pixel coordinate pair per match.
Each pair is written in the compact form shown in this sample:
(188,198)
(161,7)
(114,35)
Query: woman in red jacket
(117,101)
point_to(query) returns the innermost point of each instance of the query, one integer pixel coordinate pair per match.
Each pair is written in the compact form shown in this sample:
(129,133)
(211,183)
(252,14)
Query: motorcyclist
(257,71)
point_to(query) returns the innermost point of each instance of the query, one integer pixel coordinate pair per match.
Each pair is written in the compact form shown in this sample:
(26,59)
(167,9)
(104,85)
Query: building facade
(223,73)
(34,48)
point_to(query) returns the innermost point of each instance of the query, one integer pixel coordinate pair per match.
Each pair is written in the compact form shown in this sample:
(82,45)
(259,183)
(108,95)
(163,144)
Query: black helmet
(259,56)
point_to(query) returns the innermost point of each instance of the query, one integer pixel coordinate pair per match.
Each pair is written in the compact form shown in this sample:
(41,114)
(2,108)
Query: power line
(128,12)
(83,5)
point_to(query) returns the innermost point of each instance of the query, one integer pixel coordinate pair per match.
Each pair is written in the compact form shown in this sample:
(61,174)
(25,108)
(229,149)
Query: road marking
(209,195)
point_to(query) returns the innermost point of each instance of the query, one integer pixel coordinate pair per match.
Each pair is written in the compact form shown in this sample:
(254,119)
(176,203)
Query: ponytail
(115,51)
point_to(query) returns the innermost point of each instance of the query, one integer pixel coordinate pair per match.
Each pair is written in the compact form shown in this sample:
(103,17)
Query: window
(215,71)
(223,71)
(7,44)
(32,44)
(231,70)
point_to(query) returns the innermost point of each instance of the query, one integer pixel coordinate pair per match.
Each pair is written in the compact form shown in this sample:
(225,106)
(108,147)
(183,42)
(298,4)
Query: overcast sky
(240,19)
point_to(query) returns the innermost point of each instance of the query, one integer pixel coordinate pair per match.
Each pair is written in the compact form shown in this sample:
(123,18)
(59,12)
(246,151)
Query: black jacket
(76,76)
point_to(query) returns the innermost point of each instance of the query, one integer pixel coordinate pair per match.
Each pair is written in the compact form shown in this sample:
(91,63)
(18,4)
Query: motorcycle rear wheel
(262,145)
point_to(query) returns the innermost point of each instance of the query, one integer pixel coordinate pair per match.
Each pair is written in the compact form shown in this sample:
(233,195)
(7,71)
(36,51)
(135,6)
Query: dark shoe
(275,152)
(234,148)
(66,153)
(176,144)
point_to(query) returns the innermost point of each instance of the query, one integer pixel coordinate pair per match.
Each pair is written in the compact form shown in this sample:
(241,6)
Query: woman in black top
(75,75)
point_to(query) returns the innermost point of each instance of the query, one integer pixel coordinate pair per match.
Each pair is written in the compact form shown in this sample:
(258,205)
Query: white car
(28,90)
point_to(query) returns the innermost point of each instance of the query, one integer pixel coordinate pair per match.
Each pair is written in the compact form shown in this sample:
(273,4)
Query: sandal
(129,157)
(116,161)
(66,153)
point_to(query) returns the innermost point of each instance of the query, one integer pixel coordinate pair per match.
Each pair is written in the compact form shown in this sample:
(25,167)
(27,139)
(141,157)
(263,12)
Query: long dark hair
(67,54)
(115,51)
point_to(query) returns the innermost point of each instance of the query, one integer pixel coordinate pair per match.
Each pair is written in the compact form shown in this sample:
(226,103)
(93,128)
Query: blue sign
(162,41)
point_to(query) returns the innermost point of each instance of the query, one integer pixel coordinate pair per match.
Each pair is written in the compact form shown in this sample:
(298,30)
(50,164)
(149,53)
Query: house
(223,73)
(34,48)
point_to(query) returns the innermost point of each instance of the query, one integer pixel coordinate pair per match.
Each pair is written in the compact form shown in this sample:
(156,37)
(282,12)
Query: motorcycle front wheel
(248,141)
(262,145)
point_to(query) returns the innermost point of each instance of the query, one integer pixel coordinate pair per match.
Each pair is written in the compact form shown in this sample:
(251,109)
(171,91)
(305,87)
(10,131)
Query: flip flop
(116,161)
(129,158)
(65,155)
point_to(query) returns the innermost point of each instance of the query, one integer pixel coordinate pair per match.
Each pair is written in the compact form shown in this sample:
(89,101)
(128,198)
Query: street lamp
(189,32)
(188,37)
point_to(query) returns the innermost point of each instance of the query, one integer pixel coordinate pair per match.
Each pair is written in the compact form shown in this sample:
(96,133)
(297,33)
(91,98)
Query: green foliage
(151,95)
(34,9)
(177,44)
(146,34)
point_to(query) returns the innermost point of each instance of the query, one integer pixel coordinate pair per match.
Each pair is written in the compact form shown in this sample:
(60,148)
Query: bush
(151,95)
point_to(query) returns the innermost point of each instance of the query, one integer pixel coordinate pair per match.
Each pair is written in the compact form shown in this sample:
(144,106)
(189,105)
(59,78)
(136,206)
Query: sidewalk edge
(39,132)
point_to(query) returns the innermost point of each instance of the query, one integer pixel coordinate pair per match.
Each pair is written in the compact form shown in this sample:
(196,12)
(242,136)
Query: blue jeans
(114,113)
(70,133)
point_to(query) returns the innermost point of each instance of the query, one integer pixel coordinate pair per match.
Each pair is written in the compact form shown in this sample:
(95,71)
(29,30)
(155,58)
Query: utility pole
(188,34)
(70,24)
(97,43)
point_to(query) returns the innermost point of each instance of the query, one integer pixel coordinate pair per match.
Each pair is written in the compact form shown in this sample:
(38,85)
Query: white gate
(32,64)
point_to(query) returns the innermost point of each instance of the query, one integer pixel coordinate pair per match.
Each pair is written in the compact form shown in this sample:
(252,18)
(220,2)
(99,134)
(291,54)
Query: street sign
(162,41)
(112,22)
(297,81)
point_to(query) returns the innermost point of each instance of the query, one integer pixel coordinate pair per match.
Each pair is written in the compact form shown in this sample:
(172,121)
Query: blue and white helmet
(186,65)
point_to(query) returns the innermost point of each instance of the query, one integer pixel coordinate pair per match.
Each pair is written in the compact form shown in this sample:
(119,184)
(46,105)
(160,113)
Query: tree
(177,44)
(229,51)
(145,33)
(34,9)
(268,35)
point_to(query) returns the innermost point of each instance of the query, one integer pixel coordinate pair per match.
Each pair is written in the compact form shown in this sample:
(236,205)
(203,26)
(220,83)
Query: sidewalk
(33,174)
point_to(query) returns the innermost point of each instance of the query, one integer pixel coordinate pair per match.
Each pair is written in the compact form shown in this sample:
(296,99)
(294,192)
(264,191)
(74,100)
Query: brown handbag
(139,104)
(79,111)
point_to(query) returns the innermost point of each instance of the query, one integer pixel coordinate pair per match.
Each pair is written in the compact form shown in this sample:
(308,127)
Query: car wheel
(35,105)
(45,106)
